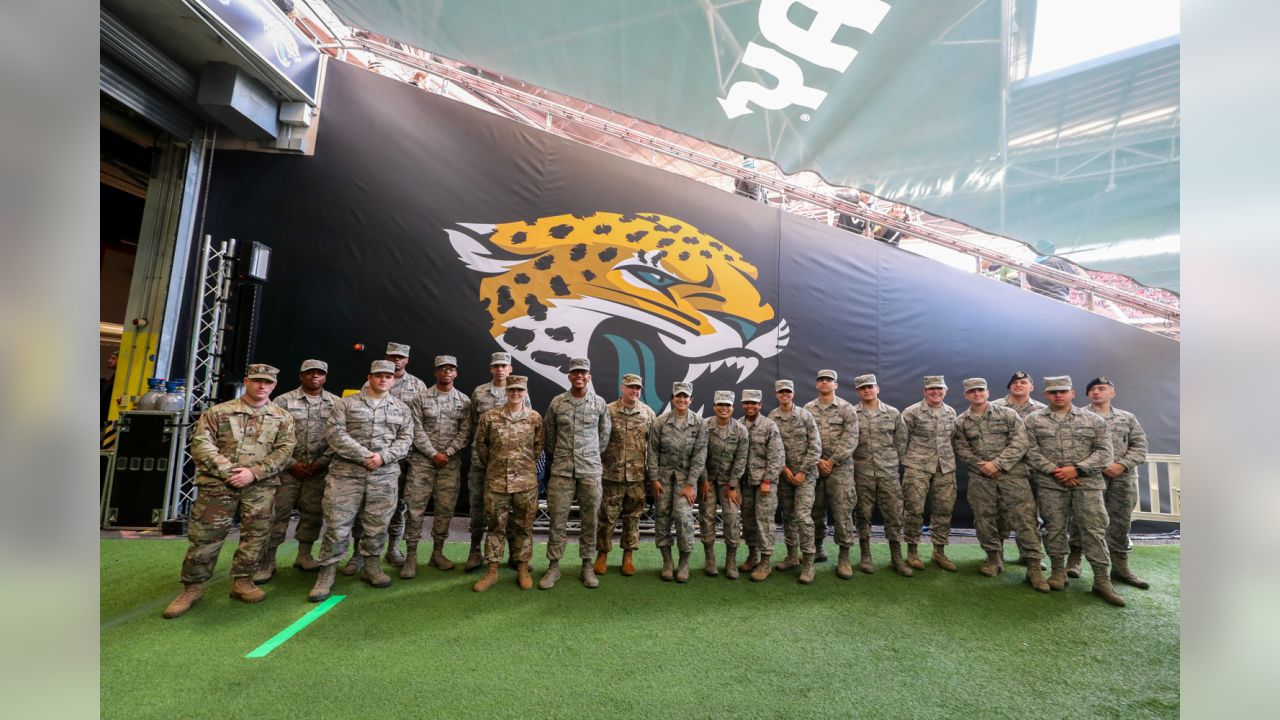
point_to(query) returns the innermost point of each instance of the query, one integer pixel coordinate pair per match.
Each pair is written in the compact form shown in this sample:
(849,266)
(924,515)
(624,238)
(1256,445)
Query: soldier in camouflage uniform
(727,443)
(624,474)
(930,470)
(834,489)
(991,442)
(882,440)
(676,461)
(1069,448)
(577,429)
(483,399)
(1019,399)
(1129,447)
(370,432)
(765,459)
(508,442)
(302,483)
(803,448)
(239,448)
(441,429)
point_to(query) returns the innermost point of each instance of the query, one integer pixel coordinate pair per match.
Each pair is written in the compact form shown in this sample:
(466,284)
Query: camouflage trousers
(560,492)
(395,526)
(1008,499)
(1005,524)
(211,515)
(625,500)
(510,510)
(671,507)
(940,489)
(1120,498)
(307,496)
(475,499)
(730,516)
(838,494)
(797,511)
(1060,506)
(758,510)
(879,488)
(427,482)
(371,500)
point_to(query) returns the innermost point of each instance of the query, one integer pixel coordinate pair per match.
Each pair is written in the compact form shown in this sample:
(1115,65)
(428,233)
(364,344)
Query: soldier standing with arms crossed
(676,460)
(727,443)
(765,460)
(483,399)
(930,471)
(838,429)
(624,474)
(882,441)
(803,448)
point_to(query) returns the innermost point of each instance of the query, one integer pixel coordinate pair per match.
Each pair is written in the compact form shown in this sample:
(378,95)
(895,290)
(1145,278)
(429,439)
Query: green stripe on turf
(285,634)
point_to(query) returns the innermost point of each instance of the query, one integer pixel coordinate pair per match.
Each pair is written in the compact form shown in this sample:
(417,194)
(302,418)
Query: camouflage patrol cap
(1098,381)
(261,371)
(934,381)
(752,396)
(864,380)
(500,358)
(320,365)
(518,382)
(681,388)
(1057,382)
(780,385)
(1020,375)
(580,364)
(828,374)
(442,360)
(974,384)
(394,348)
(723,397)
(632,379)
(382,366)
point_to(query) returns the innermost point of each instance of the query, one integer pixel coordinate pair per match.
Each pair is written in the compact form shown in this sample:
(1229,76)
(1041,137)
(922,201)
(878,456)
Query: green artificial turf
(936,645)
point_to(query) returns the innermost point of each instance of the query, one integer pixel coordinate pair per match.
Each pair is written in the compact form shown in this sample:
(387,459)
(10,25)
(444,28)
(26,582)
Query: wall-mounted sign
(261,28)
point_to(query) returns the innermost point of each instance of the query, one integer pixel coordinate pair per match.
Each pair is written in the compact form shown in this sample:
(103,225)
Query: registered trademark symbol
(804,117)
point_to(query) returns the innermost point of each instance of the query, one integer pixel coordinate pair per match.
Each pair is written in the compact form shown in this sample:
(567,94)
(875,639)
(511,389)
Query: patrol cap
(580,364)
(1098,381)
(723,397)
(500,358)
(518,382)
(864,380)
(752,396)
(681,388)
(780,385)
(632,379)
(382,366)
(974,384)
(934,381)
(1020,375)
(828,374)
(320,365)
(442,360)
(1057,382)
(397,349)
(261,371)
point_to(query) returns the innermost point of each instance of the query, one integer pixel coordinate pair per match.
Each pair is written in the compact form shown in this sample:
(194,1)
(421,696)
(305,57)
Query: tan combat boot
(844,570)
(373,573)
(488,580)
(355,564)
(1073,563)
(753,559)
(941,560)
(1120,571)
(806,570)
(791,560)
(409,570)
(438,560)
(993,566)
(523,579)
(266,568)
(305,560)
(324,584)
(731,562)
(549,578)
(709,560)
(1058,575)
(628,563)
(667,569)
(913,557)
(588,575)
(895,560)
(243,589)
(763,569)
(1035,576)
(190,595)
(1102,586)
(820,556)
(682,568)
(395,558)
(475,558)
(865,563)
(602,563)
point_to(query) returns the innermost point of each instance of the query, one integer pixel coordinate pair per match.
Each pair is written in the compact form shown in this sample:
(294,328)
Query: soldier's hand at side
(316,467)
(240,477)
(788,475)
(689,494)
(989,469)
(797,479)
(373,462)
(824,467)
(439,459)
(300,471)
(765,487)
(707,493)
(734,497)
(657,490)
(1113,470)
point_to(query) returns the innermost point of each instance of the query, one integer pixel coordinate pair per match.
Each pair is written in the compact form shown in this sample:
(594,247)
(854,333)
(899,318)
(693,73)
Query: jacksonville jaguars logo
(672,302)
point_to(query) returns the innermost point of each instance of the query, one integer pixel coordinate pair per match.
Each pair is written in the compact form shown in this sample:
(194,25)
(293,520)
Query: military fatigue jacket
(800,438)
(441,421)
(1080,438)
(765,454)
(576,429)
(882,439)
(232,435)
(677,451)
(726,452)
(361,426)
(929,433)
(623,458)
(310,421)
(485,398)
(507,447)
(838,428)
(1128,440)
(996,435)
(1030,406)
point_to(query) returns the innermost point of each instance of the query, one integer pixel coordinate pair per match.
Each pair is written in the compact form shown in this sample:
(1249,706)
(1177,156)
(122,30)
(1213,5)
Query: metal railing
(1161,477)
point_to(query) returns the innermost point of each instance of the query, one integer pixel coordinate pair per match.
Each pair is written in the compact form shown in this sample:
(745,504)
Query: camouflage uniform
(765,458)
(1129,448)
(405,388)
(726,463)
(229,436)
(998,435)
(441,423)
(882,441)
(1023,410)
(310,420)
(483,399)
(677,458)
(576,430)
(1080,438)
(359,427)
(507,448)
(803,448)
(838,429)
(930,471)
(624,474)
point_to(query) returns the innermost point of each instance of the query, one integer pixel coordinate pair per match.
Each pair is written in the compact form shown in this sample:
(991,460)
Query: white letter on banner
(790,89)
(815,43)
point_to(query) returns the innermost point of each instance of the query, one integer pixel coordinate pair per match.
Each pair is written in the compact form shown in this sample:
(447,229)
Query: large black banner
(424,221)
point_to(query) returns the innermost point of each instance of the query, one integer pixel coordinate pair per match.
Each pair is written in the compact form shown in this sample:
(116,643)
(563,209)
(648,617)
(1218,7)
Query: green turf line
(275,642)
